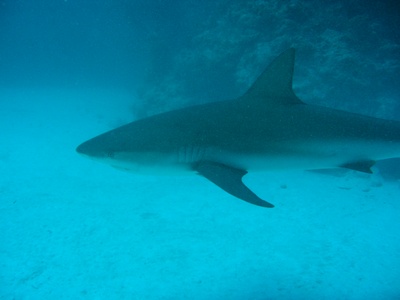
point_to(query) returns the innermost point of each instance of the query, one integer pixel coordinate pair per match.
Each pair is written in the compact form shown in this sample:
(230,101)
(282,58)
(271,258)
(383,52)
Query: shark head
(106,148)
(136,147)
(96,148)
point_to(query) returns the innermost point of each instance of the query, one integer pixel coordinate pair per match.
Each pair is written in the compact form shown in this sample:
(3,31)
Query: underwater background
(71,228)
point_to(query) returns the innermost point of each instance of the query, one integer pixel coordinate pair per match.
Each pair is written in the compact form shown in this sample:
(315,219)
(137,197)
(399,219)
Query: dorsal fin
(274,85)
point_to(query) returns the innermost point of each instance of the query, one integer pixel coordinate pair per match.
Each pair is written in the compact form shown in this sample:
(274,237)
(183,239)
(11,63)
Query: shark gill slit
(190,154)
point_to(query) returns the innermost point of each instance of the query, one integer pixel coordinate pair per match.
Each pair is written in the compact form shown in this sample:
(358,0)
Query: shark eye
(110,154)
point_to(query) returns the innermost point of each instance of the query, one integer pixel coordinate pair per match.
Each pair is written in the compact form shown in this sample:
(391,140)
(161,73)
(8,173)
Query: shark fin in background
(230,180)
(361,166)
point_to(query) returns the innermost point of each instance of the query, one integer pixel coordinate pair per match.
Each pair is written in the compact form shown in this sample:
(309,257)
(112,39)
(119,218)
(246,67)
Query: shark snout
(89,148)
(95,148)
(83,149)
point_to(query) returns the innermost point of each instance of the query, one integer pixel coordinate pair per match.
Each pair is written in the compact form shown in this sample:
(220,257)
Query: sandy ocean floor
(72,228)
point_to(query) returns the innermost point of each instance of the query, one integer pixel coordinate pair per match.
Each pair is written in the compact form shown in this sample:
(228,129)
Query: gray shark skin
(268,128)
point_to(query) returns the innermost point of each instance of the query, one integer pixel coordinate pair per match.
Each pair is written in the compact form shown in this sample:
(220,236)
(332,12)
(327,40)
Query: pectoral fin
(230,180)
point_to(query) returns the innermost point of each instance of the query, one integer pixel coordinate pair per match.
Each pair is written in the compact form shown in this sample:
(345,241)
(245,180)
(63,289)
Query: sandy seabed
(75,229)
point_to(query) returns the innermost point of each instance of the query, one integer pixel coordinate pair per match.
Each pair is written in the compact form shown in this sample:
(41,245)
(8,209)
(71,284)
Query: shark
(268,128)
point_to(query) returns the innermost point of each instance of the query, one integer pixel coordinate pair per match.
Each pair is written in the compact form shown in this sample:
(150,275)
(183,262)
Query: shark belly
(284,156)
(313,155)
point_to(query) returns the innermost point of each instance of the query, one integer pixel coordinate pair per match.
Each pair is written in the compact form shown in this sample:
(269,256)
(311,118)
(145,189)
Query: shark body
(267,128)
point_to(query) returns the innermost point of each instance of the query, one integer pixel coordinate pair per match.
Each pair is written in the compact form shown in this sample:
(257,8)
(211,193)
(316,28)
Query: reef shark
(267,128)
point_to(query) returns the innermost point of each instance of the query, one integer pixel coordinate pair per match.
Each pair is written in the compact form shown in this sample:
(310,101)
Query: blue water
(74,229)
